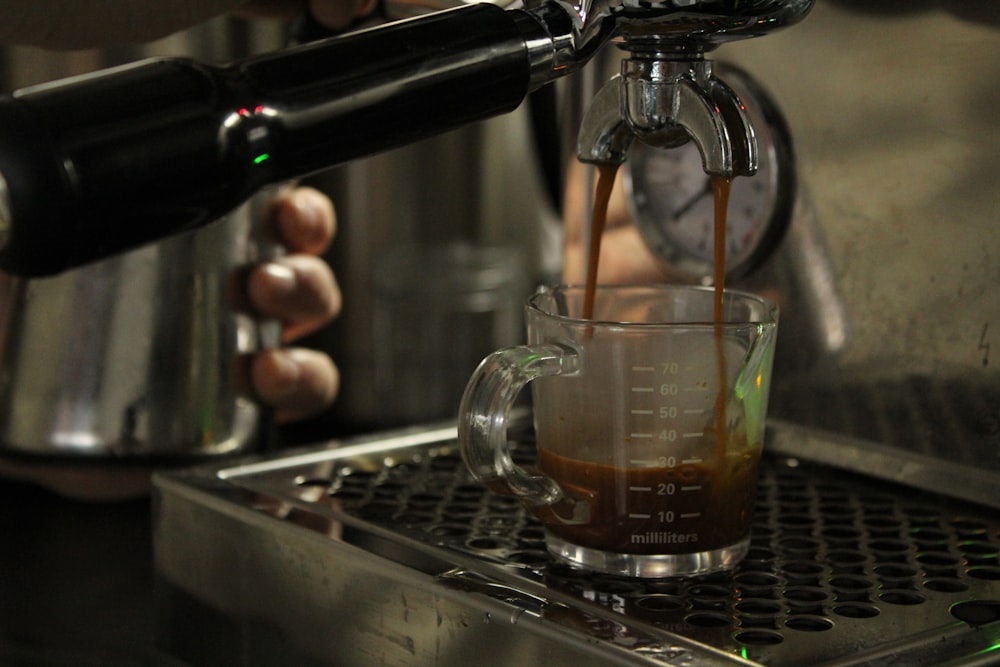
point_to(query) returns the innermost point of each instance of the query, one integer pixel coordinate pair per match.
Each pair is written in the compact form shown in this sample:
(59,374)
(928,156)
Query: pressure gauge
(673,203)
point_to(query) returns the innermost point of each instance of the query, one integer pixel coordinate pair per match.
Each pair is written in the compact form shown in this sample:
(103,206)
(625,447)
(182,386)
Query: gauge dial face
(674,206)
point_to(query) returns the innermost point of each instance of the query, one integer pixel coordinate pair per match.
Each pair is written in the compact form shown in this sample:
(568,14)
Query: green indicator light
(260,158)
(989,649)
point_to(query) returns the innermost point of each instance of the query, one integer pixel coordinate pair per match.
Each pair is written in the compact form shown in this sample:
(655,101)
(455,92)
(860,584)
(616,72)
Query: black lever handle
(99,164)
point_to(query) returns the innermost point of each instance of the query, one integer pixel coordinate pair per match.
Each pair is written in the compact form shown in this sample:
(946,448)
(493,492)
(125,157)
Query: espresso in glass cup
(649,420)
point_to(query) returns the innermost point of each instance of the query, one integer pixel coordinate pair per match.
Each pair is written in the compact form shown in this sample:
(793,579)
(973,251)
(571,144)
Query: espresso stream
(684,508)
(599,216)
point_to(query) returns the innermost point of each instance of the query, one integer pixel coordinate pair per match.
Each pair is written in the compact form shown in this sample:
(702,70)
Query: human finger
(298,290)
(339,13)
(304,220)
(296,382)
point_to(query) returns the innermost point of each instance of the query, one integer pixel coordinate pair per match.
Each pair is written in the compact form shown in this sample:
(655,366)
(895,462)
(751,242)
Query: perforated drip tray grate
(842,569)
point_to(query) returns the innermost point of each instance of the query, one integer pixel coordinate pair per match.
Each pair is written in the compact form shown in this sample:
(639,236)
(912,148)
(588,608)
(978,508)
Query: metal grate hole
(804,572)
(415,518)
(985,573)
(708,620)
(979,552)
(805,594)
(902,597)
(809,623)
(660,603)
(357,478)
(613,586)
(850,582)
(533,559)
(842,536)
(929,537)
(977,612)
(425,499)
(471,492)
(806,547)
(449,530)
(856,610)
(488,544)
(946,585)
(751,583)
(896,576)
(758,607)
(378,510)
(759,638)
(967,529)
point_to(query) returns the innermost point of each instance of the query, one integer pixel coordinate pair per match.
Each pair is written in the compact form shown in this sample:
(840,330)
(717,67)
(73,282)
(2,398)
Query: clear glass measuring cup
(649,421)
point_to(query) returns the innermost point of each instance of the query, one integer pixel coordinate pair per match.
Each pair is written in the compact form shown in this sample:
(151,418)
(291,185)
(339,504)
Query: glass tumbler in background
(439,309)
(649,421)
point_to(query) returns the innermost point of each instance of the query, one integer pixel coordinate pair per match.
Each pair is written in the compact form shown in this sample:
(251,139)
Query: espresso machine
(275,117)
(875,535)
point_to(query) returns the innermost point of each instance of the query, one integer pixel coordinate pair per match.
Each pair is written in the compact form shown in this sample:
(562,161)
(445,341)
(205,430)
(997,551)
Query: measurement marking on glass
(640,436)
(691,515)
(694,460)
(691,488)
(644,462)
(695,434)
(648,369)
(642,412)
(640,488)
(642,390)
(638,516)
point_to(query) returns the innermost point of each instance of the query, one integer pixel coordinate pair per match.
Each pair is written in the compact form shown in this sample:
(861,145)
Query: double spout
(665,103)
(667,94)
(96,165)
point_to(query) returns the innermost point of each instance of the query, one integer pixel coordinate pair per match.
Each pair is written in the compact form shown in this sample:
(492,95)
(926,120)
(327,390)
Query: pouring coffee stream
(96,165)
(720,189)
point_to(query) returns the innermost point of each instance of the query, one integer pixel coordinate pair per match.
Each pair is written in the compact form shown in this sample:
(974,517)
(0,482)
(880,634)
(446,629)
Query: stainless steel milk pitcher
(143,356)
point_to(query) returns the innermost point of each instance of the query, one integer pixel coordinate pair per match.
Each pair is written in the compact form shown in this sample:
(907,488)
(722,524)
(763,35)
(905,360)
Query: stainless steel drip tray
(382,551)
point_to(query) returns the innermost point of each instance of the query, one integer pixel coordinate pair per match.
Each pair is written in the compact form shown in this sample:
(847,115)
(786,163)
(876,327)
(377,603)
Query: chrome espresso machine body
(875,536)
(101,164)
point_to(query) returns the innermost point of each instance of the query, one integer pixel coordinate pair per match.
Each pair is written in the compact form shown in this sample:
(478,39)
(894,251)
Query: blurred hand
(331,13)
(625,257)
(300,291)
(76,24)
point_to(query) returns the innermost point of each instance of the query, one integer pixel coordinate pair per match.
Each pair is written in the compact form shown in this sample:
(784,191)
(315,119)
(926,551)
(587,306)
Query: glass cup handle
(485,412)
